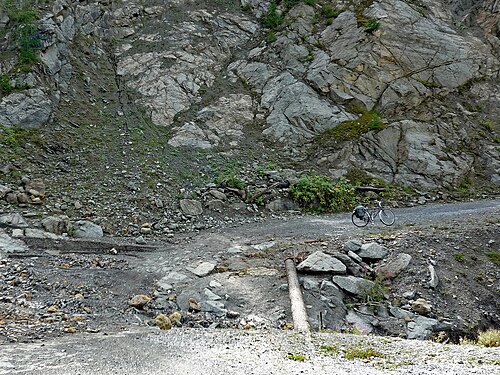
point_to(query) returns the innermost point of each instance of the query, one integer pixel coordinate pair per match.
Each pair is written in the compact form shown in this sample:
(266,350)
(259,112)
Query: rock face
(209,74)
(29,109)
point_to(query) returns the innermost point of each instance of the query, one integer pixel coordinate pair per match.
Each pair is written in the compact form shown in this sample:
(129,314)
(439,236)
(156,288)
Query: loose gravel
(256,352)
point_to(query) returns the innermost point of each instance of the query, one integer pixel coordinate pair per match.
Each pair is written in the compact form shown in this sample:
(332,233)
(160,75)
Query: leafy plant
(319,193)
(290,3)
(271,37)
(489,125)
(14,137)
(246,8)
(8,137)
(262,169)
(376,293)
(24,16)
(72,231)
(310,57)
(460,257)
(359,177)
(230,180)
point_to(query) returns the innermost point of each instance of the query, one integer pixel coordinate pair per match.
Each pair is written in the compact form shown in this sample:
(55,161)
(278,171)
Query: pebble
(140,240)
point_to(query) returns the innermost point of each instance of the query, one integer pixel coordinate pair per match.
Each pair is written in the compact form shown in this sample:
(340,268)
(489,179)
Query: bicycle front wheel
(386,216)
(360,222)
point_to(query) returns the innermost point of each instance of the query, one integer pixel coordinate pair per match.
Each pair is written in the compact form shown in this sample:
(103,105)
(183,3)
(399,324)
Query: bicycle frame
(373,213)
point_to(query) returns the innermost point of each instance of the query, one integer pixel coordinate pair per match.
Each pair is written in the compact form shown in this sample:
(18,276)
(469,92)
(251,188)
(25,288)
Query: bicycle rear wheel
(386,216)
(360,222)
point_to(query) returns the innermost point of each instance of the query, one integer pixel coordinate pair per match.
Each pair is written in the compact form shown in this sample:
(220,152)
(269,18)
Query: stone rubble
(349,303)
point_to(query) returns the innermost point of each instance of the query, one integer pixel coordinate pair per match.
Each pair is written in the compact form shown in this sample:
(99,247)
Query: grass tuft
(494,256)
(362,353)
(296,357)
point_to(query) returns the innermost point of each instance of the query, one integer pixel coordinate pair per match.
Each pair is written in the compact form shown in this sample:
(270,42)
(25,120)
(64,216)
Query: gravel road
(321,225)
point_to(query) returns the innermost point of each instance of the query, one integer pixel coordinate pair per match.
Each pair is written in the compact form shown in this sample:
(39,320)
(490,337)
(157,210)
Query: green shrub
(489,125)
(320,194)
(329,349)
(460,257)
(290,3)
(328,11)
(370,24)
(24,16)
(8,137)
(5,86)
(273,19)
(376,293)
(230,180)
(12,138)
(72,231)
(359,177)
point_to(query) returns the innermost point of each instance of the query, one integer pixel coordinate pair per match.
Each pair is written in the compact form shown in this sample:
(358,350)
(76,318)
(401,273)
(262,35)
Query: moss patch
(352,129)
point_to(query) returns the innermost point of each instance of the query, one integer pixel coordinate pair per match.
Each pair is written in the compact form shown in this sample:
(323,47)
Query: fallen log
(299,314)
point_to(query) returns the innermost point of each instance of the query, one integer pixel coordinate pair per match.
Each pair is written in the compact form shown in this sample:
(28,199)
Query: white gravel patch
(258,352)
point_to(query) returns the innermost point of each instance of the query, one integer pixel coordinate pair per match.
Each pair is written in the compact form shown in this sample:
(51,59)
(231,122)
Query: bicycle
(361,215)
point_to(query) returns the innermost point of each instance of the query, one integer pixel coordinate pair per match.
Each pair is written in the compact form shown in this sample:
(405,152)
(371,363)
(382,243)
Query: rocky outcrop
(220,81)
(28,109)
(359,301)
(172,80)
